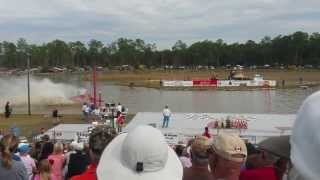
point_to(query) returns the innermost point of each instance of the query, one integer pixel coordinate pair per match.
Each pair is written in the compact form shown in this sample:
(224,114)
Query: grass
(31,125)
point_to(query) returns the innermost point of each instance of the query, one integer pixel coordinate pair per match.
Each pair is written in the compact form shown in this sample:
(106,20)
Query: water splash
(42,91)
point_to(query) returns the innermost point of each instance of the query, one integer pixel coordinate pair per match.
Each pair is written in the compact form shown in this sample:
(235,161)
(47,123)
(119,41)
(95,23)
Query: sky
(156,21)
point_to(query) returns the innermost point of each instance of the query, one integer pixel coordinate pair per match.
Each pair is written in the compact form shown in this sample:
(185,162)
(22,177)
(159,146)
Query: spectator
(181,153)
(78,161)
(27,161)
(206,133)
(44,172)
(98,140)
(199,158)
(120,122)
(305,140)
(7,110)
(119,109)
(46,148)
(263,170)
(280,147)
(57,161)
(227,154)
(9,168)
(67,156)
(166,117)
(55,116)
(142,154)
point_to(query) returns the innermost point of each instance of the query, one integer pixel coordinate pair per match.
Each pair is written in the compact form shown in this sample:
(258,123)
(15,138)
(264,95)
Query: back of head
(58,148)
(8,146)
(179,150)
(305,138)
(229,152)
(98,140)
(230,147)
(44,169)
(199,150)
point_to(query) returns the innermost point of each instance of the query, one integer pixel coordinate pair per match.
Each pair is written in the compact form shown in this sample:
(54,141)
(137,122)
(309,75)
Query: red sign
(205,83)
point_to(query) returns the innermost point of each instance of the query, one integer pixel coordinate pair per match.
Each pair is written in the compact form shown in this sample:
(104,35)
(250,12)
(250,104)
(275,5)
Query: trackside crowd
(143,154)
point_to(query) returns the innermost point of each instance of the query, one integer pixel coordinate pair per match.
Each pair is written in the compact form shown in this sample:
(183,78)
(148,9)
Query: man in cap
(199,158)
(263,168)
(227,154)
(141,154)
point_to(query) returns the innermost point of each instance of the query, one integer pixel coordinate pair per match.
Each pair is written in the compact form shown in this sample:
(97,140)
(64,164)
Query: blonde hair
(57,148)
(8,146)
(44,170)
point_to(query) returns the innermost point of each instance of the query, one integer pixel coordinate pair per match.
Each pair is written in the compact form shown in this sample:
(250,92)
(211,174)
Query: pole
(100,100)
(28,66)
(94,86)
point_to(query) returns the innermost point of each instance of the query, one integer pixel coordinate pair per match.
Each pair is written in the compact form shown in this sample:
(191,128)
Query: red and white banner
(204,83)
(220,83)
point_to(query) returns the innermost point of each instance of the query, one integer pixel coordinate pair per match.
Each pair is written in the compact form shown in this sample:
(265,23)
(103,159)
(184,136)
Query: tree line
(299,48)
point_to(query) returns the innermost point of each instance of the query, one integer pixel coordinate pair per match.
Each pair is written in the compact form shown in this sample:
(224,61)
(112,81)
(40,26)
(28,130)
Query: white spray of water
(42,92)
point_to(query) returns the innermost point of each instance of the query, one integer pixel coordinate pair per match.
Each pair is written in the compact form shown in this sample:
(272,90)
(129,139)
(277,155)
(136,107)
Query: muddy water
(144,99)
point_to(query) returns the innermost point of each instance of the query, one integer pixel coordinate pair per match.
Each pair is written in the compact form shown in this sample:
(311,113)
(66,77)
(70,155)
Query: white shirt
(87,110)
(166,112)
(119,108)
(84,107)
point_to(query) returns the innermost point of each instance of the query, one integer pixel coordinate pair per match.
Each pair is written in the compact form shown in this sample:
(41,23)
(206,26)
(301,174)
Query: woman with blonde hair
(57,161)
(44,171)
(10,169)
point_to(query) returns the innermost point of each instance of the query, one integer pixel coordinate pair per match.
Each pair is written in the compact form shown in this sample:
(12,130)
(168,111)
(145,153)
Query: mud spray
(43,91)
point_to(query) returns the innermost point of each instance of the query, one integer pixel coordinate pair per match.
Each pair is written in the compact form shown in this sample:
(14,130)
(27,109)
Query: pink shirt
(29,163)
(57,166)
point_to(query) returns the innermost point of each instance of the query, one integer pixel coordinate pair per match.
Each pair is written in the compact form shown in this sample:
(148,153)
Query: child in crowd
(44,171)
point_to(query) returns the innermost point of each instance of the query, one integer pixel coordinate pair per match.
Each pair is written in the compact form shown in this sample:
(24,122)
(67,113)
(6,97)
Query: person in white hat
(305,141)
(141,154)
(226,156)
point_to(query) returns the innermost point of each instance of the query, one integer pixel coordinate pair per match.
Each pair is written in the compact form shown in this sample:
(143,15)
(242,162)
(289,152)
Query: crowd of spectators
(143,154)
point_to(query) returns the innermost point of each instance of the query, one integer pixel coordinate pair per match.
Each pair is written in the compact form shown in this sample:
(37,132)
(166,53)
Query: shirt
(89,174)
(16,172)
(196,173)
(266,173)
(57,166)
(166,112)
(119,108)
(29,164)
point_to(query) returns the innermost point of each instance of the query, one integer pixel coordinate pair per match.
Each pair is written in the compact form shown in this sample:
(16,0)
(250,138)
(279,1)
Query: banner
(177,83)
(204,83)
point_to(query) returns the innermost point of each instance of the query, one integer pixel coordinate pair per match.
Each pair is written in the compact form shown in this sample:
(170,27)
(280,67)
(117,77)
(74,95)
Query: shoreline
(152,78)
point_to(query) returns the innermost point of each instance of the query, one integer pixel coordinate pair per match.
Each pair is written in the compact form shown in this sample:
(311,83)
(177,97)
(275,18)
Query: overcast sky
(158,21)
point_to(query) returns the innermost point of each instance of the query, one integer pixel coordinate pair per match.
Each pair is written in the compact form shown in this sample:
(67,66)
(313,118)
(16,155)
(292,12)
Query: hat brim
(111,166)
(278,145)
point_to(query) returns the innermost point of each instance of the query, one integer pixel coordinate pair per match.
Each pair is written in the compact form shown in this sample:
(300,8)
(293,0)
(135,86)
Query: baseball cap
(230,147)
(140,154)
(200,146)
(305,138)
(24,148)
(278,145)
